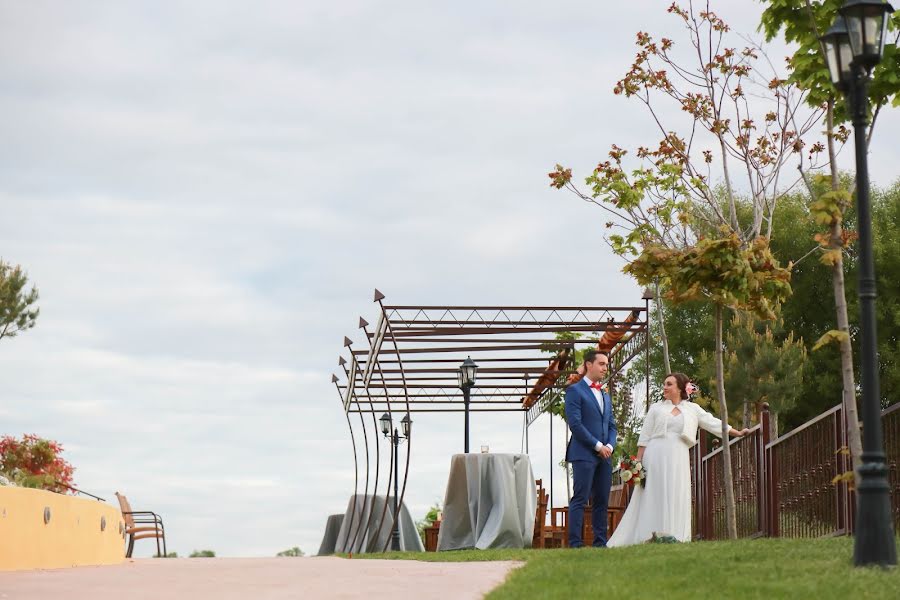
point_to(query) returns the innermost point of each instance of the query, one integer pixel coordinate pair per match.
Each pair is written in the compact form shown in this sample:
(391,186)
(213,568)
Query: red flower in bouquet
(632,471)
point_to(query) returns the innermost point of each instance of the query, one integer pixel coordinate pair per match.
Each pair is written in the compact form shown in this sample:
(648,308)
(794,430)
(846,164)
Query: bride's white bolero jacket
(694,417)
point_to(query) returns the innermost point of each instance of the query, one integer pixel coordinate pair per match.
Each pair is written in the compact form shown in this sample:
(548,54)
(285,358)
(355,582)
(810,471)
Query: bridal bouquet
(631,471)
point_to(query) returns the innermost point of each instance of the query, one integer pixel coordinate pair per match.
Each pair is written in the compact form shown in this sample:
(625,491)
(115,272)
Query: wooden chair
(142,525)
(618,501)
(557,534)
(540,518)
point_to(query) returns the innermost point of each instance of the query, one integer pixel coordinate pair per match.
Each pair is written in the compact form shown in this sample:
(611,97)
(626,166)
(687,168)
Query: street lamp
(467,371)
(853,46)
(396,438)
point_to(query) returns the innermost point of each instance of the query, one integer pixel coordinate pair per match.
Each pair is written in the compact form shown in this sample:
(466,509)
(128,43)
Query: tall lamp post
(396,438)
(853,46)
(467,372)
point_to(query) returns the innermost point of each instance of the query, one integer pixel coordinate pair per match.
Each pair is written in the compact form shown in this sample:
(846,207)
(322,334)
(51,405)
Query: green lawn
(763,568)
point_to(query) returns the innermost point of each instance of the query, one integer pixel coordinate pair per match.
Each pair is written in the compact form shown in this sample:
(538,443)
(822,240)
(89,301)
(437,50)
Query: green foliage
(203,554)
(886,217)
(721,270)
(17,310)
(802,23)
(293,552)
(762,364)
(809,312)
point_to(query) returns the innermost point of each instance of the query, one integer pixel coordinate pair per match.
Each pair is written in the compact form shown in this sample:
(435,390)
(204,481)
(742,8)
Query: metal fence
(784,487)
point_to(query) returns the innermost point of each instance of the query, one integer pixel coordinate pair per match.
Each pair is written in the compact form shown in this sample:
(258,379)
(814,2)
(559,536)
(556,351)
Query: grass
(763,568)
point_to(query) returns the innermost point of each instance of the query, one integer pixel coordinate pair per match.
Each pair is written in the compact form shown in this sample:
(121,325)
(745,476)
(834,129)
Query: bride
(663,505)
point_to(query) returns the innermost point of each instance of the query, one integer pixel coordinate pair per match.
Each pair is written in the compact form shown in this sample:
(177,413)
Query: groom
(590,417)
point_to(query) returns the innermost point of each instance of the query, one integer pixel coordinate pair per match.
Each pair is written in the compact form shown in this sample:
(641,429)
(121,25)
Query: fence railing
(784,487)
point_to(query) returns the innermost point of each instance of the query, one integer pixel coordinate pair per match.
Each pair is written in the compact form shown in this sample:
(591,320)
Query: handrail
(806,425)
(69,487)
(893,407)
(733,441)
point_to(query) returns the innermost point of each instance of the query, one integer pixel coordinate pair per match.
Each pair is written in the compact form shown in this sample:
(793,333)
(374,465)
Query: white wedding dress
(663,505)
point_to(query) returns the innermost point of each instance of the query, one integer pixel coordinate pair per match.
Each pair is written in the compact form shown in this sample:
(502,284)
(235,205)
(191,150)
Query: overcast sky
(206,194)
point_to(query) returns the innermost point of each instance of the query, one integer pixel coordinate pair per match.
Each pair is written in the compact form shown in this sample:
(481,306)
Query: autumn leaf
(830,257)
(831,337)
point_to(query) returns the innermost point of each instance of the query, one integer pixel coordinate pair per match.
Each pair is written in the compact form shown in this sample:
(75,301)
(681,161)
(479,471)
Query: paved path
(259,579)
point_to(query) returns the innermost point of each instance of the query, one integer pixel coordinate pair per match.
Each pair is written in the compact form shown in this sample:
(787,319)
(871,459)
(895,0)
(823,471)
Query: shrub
(36,463)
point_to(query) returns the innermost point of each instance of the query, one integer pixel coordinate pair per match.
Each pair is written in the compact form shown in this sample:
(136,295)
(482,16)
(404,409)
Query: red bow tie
(596,385)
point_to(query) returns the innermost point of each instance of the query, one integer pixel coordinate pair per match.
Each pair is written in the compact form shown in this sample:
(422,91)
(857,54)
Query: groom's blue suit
(592,475)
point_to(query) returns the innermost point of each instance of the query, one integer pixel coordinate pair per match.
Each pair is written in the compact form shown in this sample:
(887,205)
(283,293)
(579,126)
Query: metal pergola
(409,360)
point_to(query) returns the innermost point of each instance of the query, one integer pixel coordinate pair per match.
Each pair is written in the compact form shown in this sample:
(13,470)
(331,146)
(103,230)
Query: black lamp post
(467,372)
(395,437)
(853,46)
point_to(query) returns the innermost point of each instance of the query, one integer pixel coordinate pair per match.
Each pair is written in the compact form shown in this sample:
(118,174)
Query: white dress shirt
(598,396)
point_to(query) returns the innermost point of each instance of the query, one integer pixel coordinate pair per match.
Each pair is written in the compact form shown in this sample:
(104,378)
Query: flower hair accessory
(691,389)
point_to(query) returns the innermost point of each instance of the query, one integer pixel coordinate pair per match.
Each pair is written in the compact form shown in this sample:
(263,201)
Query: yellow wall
(71,538)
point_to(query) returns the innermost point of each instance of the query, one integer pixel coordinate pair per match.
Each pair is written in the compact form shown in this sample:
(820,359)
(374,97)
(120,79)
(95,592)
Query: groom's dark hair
(591,355)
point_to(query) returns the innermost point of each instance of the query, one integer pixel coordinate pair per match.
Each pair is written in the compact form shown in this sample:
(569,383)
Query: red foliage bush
(35,462)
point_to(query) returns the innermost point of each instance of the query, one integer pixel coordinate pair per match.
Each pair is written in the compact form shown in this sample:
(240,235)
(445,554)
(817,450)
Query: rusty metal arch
(412,355)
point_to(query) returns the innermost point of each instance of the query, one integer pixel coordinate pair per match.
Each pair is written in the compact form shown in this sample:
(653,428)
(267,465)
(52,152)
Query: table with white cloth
(490,502)
(369,537)
(330,537)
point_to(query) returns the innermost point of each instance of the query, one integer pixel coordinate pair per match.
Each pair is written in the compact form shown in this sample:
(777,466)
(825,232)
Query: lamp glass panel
(833,59)
(855,31)
(870,31)
(880,25)
(406,424)
(385,423)
(846,58)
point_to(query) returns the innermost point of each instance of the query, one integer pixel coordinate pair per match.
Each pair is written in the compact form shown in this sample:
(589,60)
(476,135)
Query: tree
(808,313)
(35,462)
(293,552)
(886,212)
(758,368)
(679,229)
(17,310)
(203,554)
(803,22)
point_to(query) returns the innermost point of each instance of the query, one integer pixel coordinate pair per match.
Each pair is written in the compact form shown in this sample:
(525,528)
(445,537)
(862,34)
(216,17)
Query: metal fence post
(762,472)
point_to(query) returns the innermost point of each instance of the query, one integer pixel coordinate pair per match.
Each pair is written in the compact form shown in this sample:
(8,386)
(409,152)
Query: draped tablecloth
(490,502)
(365,535)
(329,539)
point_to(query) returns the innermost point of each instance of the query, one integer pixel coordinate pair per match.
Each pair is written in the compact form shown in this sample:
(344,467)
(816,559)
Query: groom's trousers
(592,479)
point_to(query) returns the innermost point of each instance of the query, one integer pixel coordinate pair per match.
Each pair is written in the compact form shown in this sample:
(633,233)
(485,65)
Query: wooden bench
(143,524)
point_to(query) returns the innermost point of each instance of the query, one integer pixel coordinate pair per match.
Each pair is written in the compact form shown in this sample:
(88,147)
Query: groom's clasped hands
(604,452)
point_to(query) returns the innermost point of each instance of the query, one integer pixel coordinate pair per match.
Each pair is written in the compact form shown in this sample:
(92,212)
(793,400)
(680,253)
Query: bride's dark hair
(681,380)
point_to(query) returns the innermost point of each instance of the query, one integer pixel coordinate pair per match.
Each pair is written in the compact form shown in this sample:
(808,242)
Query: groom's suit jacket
(587,423)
